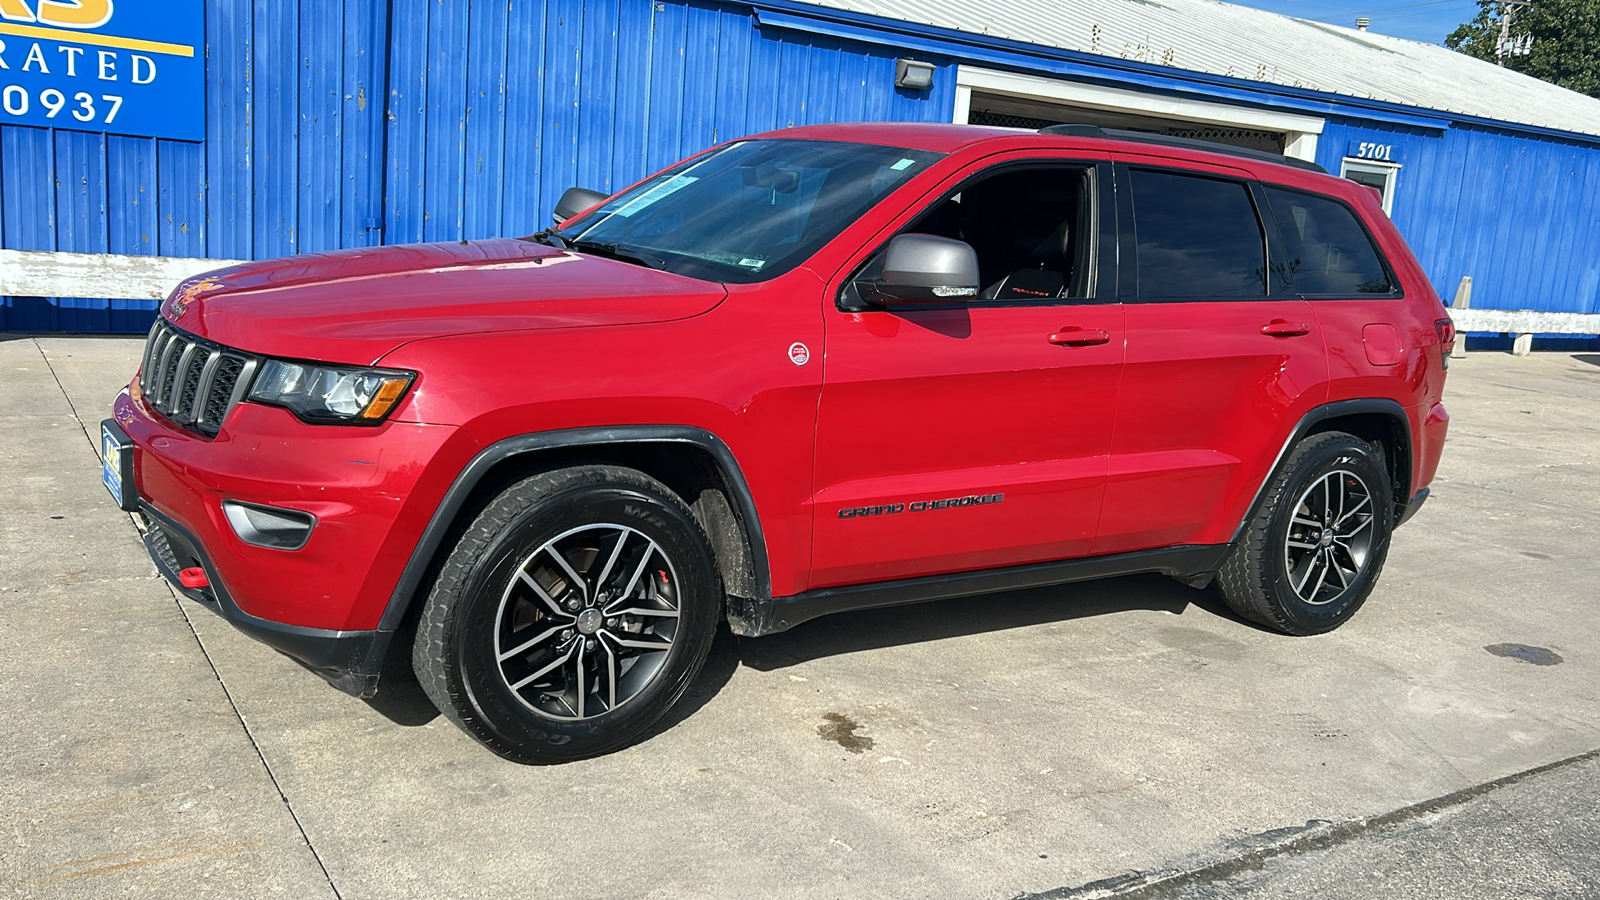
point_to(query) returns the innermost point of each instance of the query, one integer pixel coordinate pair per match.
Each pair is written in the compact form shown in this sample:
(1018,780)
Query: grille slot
(193,382)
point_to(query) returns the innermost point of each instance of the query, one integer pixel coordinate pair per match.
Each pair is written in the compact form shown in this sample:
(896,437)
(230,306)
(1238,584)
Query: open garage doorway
(1011,100)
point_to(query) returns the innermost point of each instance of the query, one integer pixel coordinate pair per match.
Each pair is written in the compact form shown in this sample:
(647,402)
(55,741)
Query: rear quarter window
(1328,252)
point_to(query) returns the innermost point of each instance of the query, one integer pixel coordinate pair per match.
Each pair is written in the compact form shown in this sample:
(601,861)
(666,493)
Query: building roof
(1252,44)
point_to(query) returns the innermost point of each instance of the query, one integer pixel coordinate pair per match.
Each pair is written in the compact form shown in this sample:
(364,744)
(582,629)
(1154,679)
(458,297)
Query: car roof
(949,138)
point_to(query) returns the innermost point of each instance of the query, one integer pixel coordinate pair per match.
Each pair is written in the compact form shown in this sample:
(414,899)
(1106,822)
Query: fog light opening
(269,526)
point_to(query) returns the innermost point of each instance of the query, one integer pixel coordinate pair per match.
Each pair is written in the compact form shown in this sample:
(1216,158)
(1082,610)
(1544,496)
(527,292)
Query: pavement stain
(1538,656)
(180,850)
(841,730)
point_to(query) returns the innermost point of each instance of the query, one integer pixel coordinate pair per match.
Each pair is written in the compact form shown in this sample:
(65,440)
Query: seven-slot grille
(190,381)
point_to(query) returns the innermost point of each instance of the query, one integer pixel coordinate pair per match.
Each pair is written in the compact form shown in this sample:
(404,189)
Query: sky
(1418,20)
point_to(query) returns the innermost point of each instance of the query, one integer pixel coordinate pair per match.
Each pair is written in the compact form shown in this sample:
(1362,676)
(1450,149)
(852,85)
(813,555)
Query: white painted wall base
(38,273)
(1524,323)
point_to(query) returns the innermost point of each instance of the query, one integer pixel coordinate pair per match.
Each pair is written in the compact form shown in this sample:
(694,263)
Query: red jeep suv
(821,369)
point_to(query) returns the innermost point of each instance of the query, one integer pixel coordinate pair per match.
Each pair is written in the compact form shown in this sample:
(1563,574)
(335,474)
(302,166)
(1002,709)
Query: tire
(570,616)
(1314,549)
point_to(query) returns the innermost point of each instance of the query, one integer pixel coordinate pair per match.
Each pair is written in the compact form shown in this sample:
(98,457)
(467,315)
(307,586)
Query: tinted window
(1327,250)
(1198,237)
(1030,228)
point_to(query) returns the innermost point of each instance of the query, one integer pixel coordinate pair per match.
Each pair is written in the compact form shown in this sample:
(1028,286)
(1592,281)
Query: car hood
(355,306)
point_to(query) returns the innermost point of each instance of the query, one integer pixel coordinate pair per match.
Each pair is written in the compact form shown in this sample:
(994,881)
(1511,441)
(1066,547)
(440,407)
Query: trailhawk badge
(799,353)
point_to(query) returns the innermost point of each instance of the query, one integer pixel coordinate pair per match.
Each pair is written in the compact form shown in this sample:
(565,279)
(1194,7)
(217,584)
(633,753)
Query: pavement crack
(256,746)
(1172,882)
(68,397)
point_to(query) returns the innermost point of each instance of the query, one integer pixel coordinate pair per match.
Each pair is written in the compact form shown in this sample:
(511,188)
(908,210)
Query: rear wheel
(571,615)
(1314,550)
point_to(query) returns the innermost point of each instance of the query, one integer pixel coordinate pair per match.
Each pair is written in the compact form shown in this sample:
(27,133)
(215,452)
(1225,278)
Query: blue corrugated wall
(344,123)
(1519,214)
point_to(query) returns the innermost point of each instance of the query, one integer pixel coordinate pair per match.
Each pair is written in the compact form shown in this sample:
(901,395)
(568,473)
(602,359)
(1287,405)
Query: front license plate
(116,465)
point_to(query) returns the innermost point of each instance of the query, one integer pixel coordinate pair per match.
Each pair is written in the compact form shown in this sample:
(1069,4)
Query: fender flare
(1334,410)
(743,503)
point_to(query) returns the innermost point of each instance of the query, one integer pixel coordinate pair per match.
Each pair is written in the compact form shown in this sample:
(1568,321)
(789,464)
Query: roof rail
(1169,140)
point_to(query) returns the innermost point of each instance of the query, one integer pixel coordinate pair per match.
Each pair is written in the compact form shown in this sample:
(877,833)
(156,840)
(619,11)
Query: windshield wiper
(549,238)
(620,252)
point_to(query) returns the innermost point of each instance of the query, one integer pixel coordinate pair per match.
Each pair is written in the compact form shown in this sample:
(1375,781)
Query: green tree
(1562,39)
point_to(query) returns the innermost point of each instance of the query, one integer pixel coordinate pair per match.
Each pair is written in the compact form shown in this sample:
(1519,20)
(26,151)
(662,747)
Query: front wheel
(1312,553)
(571,615)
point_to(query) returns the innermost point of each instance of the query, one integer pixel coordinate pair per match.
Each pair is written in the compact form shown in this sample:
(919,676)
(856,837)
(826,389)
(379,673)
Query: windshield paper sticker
(665,189)
(903,165)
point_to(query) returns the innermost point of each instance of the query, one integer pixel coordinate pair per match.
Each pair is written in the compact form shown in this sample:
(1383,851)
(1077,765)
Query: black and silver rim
(586,622)
(1330,537)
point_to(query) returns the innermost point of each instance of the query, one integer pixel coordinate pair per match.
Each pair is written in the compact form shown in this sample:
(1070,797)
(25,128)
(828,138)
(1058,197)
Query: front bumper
(371,492)
(350,660)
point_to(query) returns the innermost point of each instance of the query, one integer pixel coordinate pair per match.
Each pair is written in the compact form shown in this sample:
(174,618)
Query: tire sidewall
(471,655)
(1355,456)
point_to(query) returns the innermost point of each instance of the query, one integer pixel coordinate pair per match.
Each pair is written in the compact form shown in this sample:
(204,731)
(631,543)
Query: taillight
(1446,330)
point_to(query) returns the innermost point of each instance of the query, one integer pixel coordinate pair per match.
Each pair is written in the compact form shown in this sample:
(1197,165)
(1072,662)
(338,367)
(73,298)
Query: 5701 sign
(123,66)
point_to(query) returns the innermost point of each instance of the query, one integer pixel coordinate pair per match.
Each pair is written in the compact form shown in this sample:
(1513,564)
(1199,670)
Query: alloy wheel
(586,621)
(1330,537)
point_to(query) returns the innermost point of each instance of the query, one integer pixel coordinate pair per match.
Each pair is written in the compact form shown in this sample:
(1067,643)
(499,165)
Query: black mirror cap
(924,268)
(575,201)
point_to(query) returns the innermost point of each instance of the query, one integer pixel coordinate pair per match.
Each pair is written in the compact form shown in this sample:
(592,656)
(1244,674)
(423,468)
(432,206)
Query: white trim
(42,273)
(1300,145)
(1381,167)
(963,112)
(1300,132)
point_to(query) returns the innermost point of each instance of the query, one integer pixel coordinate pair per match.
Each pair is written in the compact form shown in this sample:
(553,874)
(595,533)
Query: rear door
(1222,358)
(975,434)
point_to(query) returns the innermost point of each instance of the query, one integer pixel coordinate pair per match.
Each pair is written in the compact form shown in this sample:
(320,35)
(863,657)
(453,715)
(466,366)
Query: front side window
(1197,237)
(747,212)
(1328,251)
(1030,226)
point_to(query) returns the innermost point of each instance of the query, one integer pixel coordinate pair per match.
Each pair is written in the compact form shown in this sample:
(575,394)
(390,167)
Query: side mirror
(575,201)
(922,269)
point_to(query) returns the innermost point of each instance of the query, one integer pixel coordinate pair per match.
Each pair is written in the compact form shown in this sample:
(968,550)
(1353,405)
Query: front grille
(193,382)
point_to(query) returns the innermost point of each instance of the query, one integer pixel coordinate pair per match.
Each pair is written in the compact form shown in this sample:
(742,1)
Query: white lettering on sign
(36,57)
(108,65)
(1370,150)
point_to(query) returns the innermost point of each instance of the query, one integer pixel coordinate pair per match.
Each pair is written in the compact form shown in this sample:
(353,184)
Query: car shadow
(1592,359)
(403,702)
(894,626)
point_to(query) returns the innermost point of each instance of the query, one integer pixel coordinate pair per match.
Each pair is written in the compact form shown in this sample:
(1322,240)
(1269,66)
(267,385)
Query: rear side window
(1328,251)
(1197,237)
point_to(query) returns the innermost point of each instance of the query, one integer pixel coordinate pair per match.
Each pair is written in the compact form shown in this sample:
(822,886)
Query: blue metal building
(308,125)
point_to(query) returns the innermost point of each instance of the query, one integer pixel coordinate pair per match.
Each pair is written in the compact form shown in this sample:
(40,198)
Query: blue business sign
(123,66)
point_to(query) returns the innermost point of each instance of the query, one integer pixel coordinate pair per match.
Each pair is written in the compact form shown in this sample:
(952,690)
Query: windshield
(747,212)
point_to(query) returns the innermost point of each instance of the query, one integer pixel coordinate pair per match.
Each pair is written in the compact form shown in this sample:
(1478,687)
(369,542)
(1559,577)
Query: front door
(975,435)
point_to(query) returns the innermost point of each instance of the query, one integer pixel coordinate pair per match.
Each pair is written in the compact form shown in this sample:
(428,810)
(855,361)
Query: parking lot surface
(1125,735)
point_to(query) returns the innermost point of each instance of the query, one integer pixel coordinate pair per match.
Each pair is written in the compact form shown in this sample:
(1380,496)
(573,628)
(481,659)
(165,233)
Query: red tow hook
(194,578)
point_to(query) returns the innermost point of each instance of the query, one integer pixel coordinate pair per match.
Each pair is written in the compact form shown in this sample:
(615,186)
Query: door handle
(1285,328)
(1074,336)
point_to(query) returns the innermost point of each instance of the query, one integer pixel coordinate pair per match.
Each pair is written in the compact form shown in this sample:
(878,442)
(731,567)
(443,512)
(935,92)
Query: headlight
(330,395)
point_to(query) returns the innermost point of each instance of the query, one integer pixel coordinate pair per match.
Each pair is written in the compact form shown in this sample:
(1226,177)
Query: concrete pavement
(1038,742)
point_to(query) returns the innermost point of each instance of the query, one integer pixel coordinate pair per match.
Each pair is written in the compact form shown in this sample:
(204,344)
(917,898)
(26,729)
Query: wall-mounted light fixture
(912,74)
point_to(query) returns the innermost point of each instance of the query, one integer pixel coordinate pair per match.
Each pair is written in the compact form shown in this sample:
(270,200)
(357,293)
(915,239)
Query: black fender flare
(405,590)
(1337,409)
